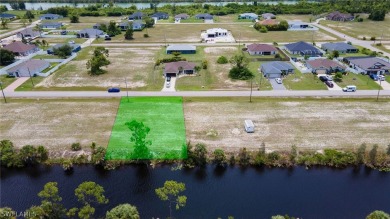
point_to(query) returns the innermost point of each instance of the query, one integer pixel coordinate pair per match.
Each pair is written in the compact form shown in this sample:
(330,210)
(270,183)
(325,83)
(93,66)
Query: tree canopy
(63,51)
(98,60)
(6,57)
(171,192)
(138,137)
(123,211)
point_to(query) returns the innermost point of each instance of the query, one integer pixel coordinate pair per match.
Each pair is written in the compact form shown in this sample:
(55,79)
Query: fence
(64,61)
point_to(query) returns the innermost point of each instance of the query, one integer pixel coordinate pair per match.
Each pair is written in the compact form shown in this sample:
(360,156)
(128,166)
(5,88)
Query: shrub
(263,29)
(364,38)
(75,147)
(240,73)
(146,35)
(360,19)
(373,38)
(204,64)
(243,157)
(222,60)
(338,77)
(277,56)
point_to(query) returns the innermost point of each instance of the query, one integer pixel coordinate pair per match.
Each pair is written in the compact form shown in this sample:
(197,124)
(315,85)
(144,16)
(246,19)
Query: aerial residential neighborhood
(198,109)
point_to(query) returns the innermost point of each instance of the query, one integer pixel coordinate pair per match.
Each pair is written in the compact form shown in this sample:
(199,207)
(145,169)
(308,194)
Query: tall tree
(98,60)
(6,57)
(63,51)
(378,215)
(74,18)
(171,192)
(200,155)
(373,154)
(138,137)
(219,158)
(4,23)
(361,152)
(113,29)
(28,15)
(129,32)
(125,211)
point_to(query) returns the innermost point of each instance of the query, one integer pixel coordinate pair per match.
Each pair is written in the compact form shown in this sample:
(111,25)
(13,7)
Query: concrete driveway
(335,86)
(385,85)
(172,87)
(275,85)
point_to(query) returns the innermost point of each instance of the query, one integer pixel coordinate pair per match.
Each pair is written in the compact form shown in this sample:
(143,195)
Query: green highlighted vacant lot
(163,115)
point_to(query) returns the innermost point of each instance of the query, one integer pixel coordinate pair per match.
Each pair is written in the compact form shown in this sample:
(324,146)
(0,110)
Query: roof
(51,24)
(276,67)
(30,65)
(337,46)
(324,63)
(181,47)
(5,15)
(369,62)
(216,30)
(300,46)
(137,14)
(19,47)
(261,47)
(268,15)
(29,31)
(204,15)
(50,15)
(173,67)
(339,15)
(91,31)
(124,24)
(183,15)
(249,14)
(296,22)
(158,14)
(269,22)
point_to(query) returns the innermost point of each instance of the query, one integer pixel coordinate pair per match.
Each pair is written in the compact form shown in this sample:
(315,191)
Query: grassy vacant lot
(281,123)
(30,84)
(57,124)
(362,82)
(299,81)
(92,20)
(134,64)
(367,28)
(164,117)
(289,17)
(63,40)
(6,81)
(172,33)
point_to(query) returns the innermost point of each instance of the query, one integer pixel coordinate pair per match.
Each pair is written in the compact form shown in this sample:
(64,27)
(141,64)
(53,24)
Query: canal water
(212,193)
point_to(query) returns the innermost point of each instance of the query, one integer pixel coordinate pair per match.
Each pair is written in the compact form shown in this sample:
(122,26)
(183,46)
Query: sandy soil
(306,124)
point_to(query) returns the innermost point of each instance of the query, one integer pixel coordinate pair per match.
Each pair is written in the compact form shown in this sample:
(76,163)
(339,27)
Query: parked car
(323,78)
(107,38)
(63,32)
(278,80)
(381,77)
(349,88)
(329,77)
(114,90)
(374,77)
(168,85)
(329,84)
(168,78)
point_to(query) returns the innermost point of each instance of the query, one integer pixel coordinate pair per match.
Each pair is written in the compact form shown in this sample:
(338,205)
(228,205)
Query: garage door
(274,75)
(171,74)
(321,71)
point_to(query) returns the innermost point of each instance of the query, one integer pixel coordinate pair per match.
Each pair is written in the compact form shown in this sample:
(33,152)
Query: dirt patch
(280,124)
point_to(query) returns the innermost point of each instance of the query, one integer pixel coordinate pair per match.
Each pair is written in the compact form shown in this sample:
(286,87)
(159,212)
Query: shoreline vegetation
(371,156)
(141,1)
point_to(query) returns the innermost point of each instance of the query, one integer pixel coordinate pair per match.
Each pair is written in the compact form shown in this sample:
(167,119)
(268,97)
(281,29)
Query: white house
(217,35)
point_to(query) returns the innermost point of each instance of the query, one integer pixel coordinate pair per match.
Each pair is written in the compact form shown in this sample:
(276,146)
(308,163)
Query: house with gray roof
(299,25)
(338,16)
(51,25)
(136,25)
(7,16)
(267,16)
(137,16)
(90,33)
(28,33)
(340,47)
(173,69)
(369,65)
(204,16)
(182,16)
(160,15)
(249,16)
(28,68)
(50,17)
(303,49)
(75,47)
(276,69)
(182,48)
(324,66)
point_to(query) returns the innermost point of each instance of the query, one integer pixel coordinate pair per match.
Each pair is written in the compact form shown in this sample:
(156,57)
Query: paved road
(273,93)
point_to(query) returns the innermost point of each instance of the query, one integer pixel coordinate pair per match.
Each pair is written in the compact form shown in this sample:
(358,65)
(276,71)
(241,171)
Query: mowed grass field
(163,115)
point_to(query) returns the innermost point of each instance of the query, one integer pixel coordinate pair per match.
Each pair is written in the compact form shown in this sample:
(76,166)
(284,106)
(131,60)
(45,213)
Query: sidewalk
(16,84)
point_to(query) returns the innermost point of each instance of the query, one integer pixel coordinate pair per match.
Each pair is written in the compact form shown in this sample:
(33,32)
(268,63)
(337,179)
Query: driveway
(385,85)
(276,86)
(335,86)
(172,87)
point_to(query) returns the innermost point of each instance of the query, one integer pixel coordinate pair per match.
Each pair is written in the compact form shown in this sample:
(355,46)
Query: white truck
(249,126)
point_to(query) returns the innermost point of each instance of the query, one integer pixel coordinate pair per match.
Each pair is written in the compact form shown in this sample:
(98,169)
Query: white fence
(63,62)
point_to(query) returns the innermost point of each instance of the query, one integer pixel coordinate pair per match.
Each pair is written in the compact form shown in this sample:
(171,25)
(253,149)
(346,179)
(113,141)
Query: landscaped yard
(306,81)
(5,81)
(164,117)
(362,82)
(367,28)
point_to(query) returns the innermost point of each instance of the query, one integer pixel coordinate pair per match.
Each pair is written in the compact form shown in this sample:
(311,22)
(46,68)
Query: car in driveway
(114,90)
(381,77)
(374,77)
(323,78)
(168,84)
(168,78)
(278,80)
(329,84)
(329,77)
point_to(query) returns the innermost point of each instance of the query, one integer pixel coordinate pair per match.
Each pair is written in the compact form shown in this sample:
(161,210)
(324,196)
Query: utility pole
(379,89)
(29,73)
(250,96)
(127,91)
(381,37)
(2,91)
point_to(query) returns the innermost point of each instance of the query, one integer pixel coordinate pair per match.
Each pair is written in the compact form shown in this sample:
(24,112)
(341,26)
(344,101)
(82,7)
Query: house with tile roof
(261,49)
(21,49)
(338,16)
(324,66)
(173,69)
(369,65)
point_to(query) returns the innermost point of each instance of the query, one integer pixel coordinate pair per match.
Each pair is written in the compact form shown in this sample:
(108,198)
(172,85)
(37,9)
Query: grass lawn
(367,28)
(384,47)
(46,56)
(165,118)
(62,40)
(232,18)
(362,82)
(289,17)
(52,65)
(354,54)
(28,85)
(259,82)
(92,20)
(299,81)
(387,77)
(5,81)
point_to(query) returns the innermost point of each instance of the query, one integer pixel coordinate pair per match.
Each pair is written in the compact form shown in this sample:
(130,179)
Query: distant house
(182,48)
(21,49)
(324,66)
(182,16)
(368,65)
(28,33)
(340,47)
(298,25)
(7,16)
(137,16)
(50,17)
(173,69)
(303,49)
(75,47)
(337,16)
(268,16)
(250,16)
(28,68)
(276,69)
(51,25)
(261,49)
(160,15)
(90,33)
(216,32)
(204,16)
(136,25)
(269,22)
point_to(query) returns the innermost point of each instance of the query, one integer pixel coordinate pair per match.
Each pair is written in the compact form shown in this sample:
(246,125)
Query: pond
(243,193)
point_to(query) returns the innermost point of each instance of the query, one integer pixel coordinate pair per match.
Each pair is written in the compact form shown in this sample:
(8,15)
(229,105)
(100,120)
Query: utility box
(249,126)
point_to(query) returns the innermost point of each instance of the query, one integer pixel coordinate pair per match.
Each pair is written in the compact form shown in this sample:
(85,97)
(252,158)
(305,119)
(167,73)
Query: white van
(249,126)
(349,88)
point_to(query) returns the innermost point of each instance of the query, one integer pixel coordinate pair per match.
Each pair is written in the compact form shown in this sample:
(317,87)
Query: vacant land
(281,123)
(92,20)
(164,117)
(367,28)
(302,17)
(57,124)
(133,64)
